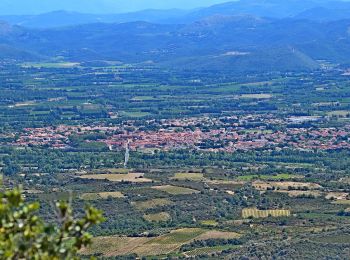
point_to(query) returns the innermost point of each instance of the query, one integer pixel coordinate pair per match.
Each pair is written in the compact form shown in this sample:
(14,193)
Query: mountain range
(320,10)
(240,36)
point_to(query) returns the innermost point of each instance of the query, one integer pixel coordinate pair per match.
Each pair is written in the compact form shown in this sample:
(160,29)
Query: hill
(217,42)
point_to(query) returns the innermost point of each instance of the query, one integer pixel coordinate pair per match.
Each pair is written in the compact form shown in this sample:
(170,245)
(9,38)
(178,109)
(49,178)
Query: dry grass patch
(129,177)
(188,176)
(175,190)
(213,234)
(341,202)
(113,246)
(256,96)
(211,223)
(298,193)
(337,196)
(284,185)
(256,213)
(102,195)
(157,217)
(150,204)
(225,182)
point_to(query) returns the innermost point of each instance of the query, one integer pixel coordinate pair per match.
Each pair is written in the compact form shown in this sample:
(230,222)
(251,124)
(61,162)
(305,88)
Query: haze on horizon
(19,7)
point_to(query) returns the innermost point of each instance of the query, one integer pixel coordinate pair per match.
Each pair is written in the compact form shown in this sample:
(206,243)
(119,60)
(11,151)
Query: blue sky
(97,6)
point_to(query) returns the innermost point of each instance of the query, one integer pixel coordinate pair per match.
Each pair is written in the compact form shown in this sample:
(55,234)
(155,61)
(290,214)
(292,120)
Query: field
(334,239)
(188,176)
(165,244)
(255,213)
(113,246)
(342,202)
(205,251)
(256,96)
(341,113)
(213,234)
(157,217)
(211,223)
(175,190)
(150,204)
(51,65)
(281,176)
(262,186)
(102,195)
(299,193)
(129,177)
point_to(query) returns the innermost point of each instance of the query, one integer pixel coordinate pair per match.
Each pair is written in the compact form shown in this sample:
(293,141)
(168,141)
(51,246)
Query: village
(224,134)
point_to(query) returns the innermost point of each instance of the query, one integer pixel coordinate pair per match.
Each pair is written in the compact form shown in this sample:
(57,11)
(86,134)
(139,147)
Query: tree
(24,235)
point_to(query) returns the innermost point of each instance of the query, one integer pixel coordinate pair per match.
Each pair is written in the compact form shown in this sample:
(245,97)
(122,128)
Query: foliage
(23,234)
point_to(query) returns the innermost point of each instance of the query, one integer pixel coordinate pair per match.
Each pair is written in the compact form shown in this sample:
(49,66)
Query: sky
(8,7)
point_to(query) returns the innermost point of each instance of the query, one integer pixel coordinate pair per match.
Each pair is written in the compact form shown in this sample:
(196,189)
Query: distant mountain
(237,43)
(318,10)
(65,18)
(20,7)
(326,13)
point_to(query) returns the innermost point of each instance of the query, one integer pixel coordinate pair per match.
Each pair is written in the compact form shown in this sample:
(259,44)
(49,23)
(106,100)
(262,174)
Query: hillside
(213,42)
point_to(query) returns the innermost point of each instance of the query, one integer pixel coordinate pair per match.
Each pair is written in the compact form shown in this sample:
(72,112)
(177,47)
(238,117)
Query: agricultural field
(162,245)
(102,195)
(255,213)
(188,176)
(175,190)
(285,185)
(157,217)
(205,152)
(150,204)
(280,176)
(129,177)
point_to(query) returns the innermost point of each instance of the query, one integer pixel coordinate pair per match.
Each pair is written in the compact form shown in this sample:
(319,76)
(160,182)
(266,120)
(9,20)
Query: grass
(188,176)
(102,195)
(255,213)
(208,250)
(256,96)
(298,193)
(175,190)
(214,234)
(282,176)
(285,185)
(157,217)
(179,236)
(211,223)
(113,170)
(333,239)
(113,246)
(342,113)
(51,65)
(135,114)
(341,202)
(129,177)
(150,204)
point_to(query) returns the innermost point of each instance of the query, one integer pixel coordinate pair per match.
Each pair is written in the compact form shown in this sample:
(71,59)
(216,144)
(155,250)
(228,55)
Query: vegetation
(24,235)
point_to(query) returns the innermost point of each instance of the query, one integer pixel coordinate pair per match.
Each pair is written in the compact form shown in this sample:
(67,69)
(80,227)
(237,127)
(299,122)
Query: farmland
(129,177)
(255,213)
(175,190)
(215,166)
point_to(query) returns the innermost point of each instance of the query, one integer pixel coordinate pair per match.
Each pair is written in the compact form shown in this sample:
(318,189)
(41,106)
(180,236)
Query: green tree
(24,235)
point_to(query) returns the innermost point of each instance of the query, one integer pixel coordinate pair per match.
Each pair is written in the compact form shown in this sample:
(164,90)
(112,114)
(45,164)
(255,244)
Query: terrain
(217,133)
(232,36)
(218,164)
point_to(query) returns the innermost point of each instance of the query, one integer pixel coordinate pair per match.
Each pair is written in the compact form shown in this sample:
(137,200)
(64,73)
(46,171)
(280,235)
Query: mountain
(30,7)
(318,10)
(326,13)
(237,43)
(66,18)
